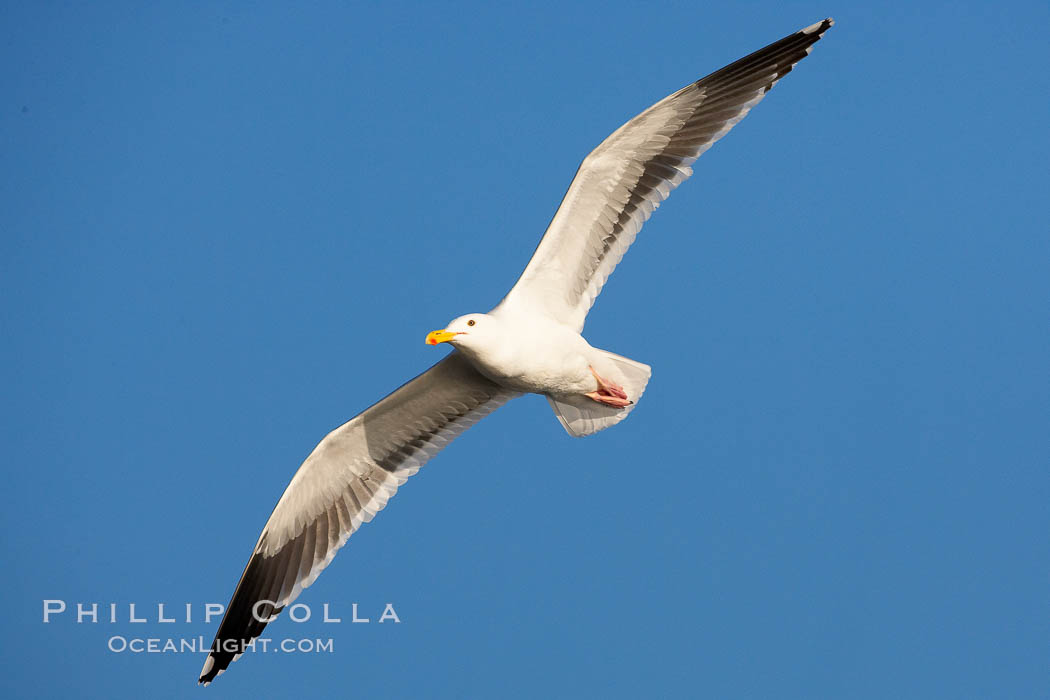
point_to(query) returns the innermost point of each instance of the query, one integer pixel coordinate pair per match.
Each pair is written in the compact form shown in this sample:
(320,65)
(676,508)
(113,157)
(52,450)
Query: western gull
(530,342)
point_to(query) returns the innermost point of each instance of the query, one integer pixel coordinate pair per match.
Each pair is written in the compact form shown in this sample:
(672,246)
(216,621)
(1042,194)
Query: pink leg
(608,393)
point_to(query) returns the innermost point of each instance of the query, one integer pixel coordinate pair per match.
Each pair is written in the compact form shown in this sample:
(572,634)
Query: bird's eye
(471,322)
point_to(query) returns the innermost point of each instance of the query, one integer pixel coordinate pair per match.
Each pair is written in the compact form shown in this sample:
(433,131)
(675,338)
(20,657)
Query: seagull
(530,342)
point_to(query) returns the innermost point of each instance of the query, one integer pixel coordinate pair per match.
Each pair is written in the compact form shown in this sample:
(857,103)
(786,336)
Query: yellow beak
(442,336)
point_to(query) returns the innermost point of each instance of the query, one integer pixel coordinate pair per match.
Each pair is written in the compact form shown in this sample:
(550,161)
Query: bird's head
(469,332)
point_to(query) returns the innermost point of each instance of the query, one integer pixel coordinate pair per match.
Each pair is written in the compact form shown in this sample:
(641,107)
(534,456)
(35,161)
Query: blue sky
(225,230)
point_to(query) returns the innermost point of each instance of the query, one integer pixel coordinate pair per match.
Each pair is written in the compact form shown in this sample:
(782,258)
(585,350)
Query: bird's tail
(581,416)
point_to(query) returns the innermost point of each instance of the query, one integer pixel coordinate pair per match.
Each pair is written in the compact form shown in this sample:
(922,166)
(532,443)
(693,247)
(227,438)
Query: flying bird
(530,342)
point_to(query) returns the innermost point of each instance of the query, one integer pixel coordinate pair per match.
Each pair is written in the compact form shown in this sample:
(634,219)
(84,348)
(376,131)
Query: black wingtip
(209,672)
(818,28)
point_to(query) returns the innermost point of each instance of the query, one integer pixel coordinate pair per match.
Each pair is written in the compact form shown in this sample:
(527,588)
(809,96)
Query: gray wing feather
(345,481)
(628,175)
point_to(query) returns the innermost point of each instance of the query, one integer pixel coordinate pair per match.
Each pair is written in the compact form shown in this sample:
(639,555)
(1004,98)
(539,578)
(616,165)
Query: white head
(471,332)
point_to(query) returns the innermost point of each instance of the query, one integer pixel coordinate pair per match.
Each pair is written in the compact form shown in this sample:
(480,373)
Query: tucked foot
(614,401)
(608,392)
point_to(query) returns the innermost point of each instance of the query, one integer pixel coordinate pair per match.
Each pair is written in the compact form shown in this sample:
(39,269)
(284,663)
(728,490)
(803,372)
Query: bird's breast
(539,364)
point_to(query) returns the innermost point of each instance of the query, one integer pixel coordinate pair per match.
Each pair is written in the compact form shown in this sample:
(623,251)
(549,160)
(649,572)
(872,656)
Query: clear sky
(225,230)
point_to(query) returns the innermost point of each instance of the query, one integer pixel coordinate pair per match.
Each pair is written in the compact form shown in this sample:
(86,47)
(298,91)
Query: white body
(534,354)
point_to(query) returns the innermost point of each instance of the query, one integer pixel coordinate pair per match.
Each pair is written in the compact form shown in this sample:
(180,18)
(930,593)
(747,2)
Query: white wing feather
(345,481)
(625,178)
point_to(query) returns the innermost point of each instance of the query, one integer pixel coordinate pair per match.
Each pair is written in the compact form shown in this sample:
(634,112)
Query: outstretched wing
(627,176)
(344,482)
